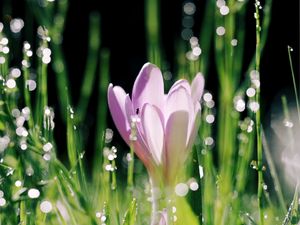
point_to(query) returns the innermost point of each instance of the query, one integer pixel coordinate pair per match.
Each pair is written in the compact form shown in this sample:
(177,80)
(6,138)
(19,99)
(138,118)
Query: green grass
(232,152)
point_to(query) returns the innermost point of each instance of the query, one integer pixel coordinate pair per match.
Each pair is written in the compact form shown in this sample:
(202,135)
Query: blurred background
(123,34)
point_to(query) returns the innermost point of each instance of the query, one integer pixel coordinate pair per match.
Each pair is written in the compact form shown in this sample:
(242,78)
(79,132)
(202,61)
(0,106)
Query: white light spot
(47,157)
(288,123)
(109,135)
(33,193)
(1,194)
(23,146)
(5,50)
(194,186)
(26,45)
(207,97)
(26,111)
(210,118)
(20,121)
(11,83)
(201,173)
(46,52)
(250,92)
(224,10)
(29,53)
(47,147)
(234,42)
(16,25)
(189,8)
(197,51)
(240,105)
(220,31)
(47,111)
(46,206)
(254,106)
(19,131)
(2,60)
(209,141)
(98,214)
(220,3)
(194,41)
(46,59)
(4,41)
(31,85)
(18,183)
(15,113)
(2,202)
(181,189)
(15,72)
(103,218)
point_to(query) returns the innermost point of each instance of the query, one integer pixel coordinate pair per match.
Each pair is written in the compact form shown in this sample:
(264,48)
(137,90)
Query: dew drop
(234,42)
(33,193)
(224,10)
(2,202)
(189,8)
(210,118)
(207,97)
(11,83)
(16,25)
(15,72)
(194,186)
(250,92)
(46,206)
(181,189)
(47,147)
(18,183)
(220,31)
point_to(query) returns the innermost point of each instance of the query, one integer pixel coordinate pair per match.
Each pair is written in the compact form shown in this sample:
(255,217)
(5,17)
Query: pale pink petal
(192,133)
(181,83)
(178,100)
(116,102)
(154,131)
(140,147)
(175,144)
(148,87)
(197,87)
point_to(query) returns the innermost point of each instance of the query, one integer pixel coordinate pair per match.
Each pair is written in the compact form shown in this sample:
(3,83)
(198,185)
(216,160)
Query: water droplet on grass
(220,31)
(33,193)
(46,206)
(181,189)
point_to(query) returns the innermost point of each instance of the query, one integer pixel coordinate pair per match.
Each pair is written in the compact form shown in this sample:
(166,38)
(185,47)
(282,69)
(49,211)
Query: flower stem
(161,205)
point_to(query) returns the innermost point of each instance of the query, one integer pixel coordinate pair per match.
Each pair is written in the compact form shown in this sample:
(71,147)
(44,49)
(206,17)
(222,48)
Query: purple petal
(197,87)
(179,100)
(175,144)
(152,123)
(116,102)
(181,83)
(148,87)
(193,130)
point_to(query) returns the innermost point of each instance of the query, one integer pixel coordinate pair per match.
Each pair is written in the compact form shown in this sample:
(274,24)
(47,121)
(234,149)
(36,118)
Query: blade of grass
(91,65)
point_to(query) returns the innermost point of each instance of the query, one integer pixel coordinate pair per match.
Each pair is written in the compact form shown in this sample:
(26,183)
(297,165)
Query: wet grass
(227,173)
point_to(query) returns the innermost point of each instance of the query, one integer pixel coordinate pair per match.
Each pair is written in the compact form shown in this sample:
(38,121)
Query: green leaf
(184,213)
(130,214)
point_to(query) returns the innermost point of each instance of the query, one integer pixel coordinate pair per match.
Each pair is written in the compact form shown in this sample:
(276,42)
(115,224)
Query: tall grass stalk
(258,121)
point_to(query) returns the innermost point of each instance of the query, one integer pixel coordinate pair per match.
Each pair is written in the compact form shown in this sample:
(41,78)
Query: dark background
(123,33)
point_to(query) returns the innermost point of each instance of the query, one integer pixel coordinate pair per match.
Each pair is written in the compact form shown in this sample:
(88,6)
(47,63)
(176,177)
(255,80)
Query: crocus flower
(165,124)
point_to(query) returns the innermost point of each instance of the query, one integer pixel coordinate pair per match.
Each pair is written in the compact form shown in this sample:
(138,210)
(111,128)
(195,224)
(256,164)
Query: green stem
(294,81)
(258,121)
